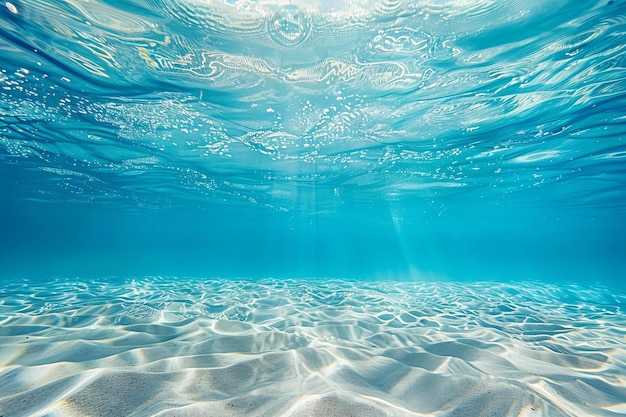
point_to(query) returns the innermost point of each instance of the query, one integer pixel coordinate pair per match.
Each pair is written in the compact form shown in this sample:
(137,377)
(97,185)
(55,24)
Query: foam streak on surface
(161,346)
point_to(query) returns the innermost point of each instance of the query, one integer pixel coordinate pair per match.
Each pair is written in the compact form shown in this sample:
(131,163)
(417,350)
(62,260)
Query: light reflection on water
(308,133)
(225,95)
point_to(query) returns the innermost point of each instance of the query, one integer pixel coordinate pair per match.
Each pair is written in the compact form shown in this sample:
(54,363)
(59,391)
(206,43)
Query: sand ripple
(185,347)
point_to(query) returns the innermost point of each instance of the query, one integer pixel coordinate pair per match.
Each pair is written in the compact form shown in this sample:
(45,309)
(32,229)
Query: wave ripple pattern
(174,347)
(314,106)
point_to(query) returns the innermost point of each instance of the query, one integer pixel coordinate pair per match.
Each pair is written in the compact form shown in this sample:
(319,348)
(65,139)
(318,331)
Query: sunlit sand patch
(167,347)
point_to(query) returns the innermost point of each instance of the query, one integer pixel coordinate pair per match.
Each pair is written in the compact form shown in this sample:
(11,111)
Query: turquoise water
(408,140)
(312,208)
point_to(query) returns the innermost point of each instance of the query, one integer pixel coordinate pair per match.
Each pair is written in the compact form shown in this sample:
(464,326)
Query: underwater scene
(313,208)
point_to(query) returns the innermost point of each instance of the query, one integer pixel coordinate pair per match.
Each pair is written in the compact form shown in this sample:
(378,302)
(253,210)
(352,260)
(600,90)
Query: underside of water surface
(444,139)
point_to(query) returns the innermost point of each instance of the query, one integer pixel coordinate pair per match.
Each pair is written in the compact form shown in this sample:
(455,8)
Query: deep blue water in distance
(372,140)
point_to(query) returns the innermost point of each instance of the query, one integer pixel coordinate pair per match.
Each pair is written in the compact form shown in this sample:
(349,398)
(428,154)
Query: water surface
(447,139)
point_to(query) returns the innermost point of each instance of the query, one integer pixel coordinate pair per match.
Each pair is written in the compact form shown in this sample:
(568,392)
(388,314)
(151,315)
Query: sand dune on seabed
(166,347)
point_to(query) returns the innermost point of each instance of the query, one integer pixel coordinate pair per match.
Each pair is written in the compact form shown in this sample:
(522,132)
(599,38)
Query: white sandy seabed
(168,347)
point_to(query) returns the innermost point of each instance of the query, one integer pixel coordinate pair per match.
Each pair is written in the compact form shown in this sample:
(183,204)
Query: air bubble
(289,26)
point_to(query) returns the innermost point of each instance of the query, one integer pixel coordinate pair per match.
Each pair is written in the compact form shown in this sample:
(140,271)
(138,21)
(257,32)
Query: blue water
(312,208)
(441,139)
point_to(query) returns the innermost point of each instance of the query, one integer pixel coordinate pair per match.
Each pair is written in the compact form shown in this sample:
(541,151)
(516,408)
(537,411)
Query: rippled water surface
(312,137)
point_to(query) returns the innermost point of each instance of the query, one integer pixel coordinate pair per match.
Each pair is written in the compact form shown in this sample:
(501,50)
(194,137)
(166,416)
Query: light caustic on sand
(309,348)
